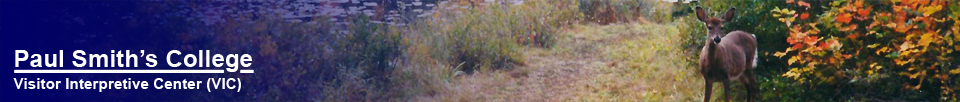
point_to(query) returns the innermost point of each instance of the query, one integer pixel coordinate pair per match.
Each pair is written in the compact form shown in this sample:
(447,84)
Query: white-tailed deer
(726,58)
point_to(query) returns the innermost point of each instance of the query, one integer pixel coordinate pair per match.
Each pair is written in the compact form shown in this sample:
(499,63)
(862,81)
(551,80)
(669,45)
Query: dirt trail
(558,76)
(591,63)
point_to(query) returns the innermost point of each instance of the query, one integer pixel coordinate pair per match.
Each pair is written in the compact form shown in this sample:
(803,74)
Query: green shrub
(369,46)
(609,11)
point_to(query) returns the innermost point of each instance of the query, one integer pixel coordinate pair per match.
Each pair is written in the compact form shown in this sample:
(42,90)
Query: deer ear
(729,15)
(702,15)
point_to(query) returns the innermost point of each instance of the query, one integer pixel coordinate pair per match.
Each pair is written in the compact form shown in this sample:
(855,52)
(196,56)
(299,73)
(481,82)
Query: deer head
(714,25)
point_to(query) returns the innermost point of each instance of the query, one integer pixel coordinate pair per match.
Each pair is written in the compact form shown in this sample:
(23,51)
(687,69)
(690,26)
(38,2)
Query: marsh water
(91,21)
(392,12)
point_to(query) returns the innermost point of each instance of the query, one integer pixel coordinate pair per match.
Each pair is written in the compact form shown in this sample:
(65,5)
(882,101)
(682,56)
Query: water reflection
(380,11)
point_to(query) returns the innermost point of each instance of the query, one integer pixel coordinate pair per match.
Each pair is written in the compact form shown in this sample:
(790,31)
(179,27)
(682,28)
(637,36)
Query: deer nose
(716,39)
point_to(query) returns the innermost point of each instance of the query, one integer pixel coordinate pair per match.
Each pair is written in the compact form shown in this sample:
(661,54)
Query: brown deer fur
(727,58)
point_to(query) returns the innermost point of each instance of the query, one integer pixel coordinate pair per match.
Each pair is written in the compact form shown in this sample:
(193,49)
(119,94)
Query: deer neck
(709,57)
(715,52)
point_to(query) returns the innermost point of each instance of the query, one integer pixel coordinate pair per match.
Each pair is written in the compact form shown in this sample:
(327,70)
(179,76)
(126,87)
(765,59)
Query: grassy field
(616,62)
(538,51)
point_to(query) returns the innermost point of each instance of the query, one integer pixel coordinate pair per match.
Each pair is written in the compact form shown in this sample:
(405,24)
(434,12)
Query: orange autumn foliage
(915,39)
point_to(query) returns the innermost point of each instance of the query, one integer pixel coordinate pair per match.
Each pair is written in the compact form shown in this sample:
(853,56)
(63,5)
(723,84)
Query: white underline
(246,71)
(128,71)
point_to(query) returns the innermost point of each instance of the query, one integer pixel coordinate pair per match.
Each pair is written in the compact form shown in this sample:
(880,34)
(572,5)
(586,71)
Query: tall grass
(614,11)
(460,41)
(489,37)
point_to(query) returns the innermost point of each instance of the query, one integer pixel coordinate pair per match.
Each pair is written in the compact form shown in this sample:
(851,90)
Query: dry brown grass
(617,62)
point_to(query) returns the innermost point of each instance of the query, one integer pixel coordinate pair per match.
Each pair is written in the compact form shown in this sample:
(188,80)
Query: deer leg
(726,90)
(707,90)
(751,84)
(746,85)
